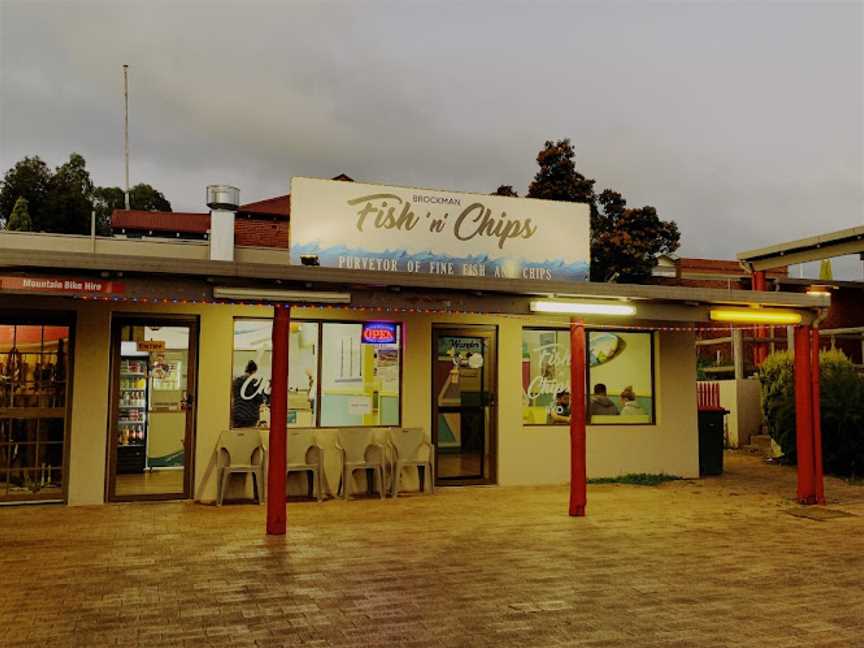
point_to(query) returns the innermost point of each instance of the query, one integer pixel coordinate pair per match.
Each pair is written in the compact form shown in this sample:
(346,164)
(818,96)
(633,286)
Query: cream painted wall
(86,447)
(526,454)
(541,454)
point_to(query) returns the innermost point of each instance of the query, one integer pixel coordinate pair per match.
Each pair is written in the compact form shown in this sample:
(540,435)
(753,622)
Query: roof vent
(223,197)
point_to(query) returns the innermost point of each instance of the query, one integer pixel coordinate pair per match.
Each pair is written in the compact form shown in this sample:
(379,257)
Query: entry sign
(378,333)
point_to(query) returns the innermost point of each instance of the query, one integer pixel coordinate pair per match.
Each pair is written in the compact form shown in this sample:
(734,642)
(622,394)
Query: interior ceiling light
(583,308)
(275,295)
(754,316)
(818,290)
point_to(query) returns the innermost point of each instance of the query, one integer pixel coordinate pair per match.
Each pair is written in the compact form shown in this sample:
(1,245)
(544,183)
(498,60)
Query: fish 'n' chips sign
(397,229)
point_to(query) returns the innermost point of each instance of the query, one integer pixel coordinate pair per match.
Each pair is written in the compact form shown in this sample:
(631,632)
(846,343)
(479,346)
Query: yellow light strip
(755,316)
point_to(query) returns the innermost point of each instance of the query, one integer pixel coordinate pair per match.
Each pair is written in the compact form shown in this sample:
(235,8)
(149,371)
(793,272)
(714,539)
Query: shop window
(545,376)
(360,382)
(33,391)
(620,377)
(251,373)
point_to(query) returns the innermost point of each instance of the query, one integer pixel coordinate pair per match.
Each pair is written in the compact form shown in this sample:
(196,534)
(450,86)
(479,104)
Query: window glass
(252,361)
(545,376)
(33,387)
(620,377)
(359,381)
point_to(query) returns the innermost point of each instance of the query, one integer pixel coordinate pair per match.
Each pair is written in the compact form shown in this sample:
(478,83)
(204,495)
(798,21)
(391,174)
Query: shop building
(124,359)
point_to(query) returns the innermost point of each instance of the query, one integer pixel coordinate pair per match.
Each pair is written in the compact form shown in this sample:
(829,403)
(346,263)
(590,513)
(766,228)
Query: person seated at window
(601,404)
(246,398)
(560,412)
(629,405)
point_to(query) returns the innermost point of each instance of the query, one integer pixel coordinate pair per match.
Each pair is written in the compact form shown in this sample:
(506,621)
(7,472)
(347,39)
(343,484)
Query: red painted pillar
(760,349)
(804,387)
(278,421)
(818,476)
(578,463)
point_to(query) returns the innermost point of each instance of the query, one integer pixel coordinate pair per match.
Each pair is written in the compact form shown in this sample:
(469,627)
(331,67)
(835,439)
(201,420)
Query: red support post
(760,349)
(578,390)
(804,388)
(818,476)
(276,518)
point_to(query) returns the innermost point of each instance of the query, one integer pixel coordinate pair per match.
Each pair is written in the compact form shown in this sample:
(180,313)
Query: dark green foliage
(19,220)
(636,479)
(841,405)
(62,201)
(69,204)
(505,190)
(28,179)
(625,242)
(141,196)
(557,178)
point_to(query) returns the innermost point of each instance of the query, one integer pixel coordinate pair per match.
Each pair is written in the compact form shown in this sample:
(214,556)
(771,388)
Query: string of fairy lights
(387,311)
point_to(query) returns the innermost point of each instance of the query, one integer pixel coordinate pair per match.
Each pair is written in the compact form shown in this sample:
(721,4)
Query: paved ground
(717,562)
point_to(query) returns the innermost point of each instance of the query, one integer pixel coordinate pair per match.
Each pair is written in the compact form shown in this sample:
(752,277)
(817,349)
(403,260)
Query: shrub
(841,403)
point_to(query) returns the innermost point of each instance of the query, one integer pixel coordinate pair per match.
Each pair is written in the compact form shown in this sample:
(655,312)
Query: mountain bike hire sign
(365,227)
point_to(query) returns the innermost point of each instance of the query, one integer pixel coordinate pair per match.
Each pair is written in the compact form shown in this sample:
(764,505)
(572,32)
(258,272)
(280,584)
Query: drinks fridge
(132,418)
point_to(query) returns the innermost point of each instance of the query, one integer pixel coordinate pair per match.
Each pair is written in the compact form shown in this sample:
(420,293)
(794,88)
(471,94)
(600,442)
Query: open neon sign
(378,333)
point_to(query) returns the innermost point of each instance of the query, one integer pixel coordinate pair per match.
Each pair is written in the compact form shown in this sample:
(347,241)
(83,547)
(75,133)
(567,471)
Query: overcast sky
(742,121)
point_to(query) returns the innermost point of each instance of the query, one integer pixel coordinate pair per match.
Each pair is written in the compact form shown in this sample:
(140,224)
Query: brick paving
(717,562)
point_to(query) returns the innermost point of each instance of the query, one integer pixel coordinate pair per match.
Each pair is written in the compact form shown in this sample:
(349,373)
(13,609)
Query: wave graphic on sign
(425,262)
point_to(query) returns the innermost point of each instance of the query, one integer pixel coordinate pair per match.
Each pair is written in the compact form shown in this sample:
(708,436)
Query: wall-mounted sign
(62,285)
(397,229)
(378,333)
(150,345)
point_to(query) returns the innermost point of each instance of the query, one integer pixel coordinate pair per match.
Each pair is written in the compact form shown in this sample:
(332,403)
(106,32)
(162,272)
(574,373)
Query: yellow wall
(526,454)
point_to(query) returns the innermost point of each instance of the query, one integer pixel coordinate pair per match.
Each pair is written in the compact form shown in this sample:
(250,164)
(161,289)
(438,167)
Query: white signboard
(397,229)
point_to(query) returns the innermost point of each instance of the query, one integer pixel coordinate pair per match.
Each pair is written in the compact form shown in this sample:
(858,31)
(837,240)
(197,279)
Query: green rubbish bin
(711,441)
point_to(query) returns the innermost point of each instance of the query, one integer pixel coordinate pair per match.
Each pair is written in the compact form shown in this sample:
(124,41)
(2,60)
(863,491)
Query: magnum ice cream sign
(397,229)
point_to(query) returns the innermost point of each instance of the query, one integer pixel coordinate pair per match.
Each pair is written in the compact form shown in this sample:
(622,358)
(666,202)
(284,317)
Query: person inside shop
(246,398)
(601,404)
(560,413)
(629,404)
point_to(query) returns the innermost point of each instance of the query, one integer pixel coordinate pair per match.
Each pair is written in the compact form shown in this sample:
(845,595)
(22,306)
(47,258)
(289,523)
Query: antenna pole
(126,131)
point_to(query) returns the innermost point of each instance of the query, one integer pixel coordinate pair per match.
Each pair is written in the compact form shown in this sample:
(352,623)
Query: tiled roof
(157,221)
(691,266)
(280,207)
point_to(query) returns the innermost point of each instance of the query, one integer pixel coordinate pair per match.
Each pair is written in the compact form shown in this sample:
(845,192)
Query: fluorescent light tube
(754,316)
(275,295)
(583,308)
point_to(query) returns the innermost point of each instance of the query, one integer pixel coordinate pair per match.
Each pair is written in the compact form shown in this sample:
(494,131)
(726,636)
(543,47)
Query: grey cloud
(741,121)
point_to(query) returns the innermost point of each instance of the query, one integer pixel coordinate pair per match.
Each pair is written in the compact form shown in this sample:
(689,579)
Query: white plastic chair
(360,452)
(243,454)
(412,449)
(304,455)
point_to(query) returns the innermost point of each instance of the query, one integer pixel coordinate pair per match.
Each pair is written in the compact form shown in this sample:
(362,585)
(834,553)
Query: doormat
(818,513)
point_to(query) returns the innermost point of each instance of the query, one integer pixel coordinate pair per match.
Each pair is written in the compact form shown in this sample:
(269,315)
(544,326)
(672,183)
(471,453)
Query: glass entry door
(463,404)
(153,415)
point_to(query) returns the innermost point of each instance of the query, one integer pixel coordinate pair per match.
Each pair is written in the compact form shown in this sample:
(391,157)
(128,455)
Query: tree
(505,190)
(625,242)
(557,178)
(62,201)
(70,194)
(28,179)
(19,220)
(141,196)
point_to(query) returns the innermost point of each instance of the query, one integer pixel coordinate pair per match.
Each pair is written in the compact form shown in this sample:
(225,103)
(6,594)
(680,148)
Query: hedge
(842,409)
